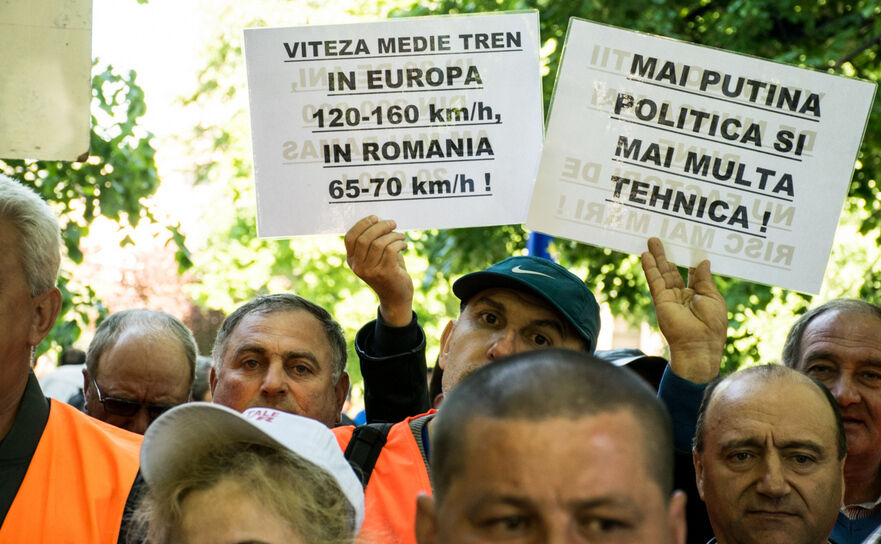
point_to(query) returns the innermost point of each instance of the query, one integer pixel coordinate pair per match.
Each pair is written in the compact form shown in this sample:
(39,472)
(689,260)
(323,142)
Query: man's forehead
(267,321)
(847,329)
(618,422)
(788,407)
(158,345)
(263,330)
(9,239)
(611,448)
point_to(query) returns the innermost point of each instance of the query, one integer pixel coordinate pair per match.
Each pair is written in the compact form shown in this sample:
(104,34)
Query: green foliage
(112,181)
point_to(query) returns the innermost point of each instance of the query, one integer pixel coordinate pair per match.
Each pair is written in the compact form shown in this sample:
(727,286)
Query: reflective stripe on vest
(76,484)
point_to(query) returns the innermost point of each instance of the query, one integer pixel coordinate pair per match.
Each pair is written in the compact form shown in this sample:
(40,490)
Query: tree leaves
(112,182)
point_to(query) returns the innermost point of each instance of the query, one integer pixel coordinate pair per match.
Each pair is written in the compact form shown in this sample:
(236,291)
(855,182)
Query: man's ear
(212,379)
(341,390)
(698,472)
(676,513)
(426,520)
(45,311)
(88,401)
(86,382)
(445,344)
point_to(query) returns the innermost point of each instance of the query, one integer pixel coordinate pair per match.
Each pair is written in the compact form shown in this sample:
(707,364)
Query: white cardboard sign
(723,156)
(435,122)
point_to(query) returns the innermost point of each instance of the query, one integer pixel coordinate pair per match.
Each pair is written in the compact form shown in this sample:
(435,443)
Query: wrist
(698,367)
(396,315)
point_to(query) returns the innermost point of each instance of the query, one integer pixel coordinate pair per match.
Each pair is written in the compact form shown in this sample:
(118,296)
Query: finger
(379,248)
(364,243)
(668,271)
(652,276)
(703,279)
(656,248)
(393,253)
(649,266)
(357,230)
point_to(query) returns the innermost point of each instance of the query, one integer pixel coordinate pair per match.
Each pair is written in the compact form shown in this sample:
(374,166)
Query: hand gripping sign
(723,156)
(434,121)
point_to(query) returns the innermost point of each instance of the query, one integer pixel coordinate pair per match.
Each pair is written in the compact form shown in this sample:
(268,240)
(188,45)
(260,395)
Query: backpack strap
(364,448)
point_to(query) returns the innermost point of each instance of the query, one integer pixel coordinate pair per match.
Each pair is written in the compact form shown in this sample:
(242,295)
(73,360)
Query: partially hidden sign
(723,156)
(435,122)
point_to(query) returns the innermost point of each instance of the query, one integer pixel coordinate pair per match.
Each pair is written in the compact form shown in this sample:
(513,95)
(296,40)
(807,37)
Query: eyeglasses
(128,408)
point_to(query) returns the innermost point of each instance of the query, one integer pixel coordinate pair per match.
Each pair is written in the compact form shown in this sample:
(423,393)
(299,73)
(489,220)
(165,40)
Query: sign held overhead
(434,121)
(723,156)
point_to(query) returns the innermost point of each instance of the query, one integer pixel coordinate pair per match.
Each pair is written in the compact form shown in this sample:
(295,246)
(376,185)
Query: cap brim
(188,431)
(470,284)
(185,433)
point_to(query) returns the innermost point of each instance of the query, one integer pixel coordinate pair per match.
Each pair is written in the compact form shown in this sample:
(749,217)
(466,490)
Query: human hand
(374,253)
(693,318)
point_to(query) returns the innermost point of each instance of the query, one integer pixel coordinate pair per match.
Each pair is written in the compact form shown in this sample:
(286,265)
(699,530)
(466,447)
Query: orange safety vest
(77,483)
(398,477)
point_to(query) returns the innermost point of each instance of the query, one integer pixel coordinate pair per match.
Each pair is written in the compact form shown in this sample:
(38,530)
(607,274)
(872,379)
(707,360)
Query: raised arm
(374,253)
(693,318)
(391,349)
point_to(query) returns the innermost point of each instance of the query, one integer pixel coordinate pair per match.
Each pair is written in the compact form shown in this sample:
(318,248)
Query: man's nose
(139,422)
(772,482)
(275,380)
(845,391)
(504,343)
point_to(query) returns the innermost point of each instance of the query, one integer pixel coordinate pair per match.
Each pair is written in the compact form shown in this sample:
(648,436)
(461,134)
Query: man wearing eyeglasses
(64,477)
(140,364)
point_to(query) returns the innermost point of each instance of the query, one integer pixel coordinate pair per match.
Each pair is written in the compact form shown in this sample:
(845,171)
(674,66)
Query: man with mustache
(769,456)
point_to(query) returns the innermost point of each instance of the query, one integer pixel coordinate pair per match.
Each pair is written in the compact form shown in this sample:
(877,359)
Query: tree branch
(865,45)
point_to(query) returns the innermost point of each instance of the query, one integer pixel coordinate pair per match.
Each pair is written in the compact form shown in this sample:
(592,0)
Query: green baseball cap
(562,289)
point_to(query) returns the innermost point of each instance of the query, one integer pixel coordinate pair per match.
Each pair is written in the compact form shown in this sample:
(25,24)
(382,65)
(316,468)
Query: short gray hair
(792,346)
(545,384)
(270,304)
(39,238)
(146,321)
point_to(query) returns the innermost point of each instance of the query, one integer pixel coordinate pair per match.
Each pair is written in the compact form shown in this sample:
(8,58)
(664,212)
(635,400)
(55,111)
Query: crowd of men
(537,439)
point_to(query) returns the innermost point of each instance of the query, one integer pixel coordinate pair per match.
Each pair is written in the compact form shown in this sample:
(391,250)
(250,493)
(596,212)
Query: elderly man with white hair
(64,477)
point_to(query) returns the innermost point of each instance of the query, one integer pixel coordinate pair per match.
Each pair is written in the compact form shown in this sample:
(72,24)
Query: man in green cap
(520,304)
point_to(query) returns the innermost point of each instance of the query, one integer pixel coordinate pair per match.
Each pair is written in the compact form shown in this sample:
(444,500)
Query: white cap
(185,432)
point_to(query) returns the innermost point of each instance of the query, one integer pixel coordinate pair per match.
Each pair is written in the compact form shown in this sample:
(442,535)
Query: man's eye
(802,459)
(871,378)
(819,371)
(301,370)
(250,364)
(594,525)
(490,318)
(739,457)
(507,524)
(541,340)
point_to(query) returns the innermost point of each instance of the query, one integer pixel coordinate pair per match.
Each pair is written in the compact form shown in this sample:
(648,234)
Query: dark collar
(17,448)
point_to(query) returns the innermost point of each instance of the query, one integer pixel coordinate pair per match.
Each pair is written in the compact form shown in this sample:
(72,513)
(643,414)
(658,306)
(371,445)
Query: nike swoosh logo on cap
(520,270)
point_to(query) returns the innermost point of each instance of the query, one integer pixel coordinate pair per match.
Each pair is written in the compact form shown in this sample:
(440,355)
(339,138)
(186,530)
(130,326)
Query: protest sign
(435,122)
(723,156)
(45,90)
